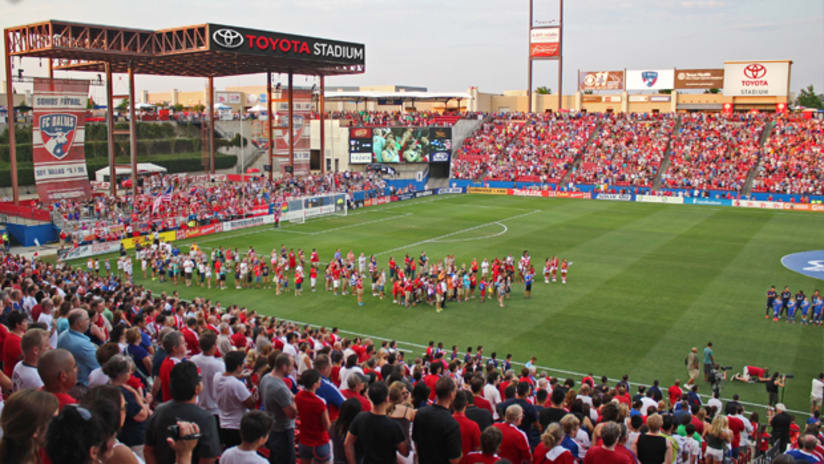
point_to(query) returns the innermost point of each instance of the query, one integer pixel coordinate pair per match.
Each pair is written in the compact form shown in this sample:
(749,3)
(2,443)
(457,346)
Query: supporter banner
(614,196)
(58,139)
(89,250)
(248,222)
(405,196)
(199,231)
(650,79)
(404,144)
(301,117)
(577,195)
(449,190)
(659,199)
(544,42)
(818,208)
(131,242)
(756,78)
(707,201)
(487,191)
(425,193)
(699,79)
(601,80)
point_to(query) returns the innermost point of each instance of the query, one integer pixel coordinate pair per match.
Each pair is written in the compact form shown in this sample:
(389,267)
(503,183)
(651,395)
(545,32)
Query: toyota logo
(755,71)
(228,38)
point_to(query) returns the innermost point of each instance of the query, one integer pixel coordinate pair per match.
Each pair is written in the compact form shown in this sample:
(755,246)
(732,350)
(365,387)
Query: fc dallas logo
(57,133)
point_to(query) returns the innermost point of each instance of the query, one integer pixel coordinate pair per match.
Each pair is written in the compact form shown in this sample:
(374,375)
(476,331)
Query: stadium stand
(793,159)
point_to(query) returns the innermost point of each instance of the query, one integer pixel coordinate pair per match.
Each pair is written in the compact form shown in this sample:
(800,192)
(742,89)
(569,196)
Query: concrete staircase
(665,163)
(768,128)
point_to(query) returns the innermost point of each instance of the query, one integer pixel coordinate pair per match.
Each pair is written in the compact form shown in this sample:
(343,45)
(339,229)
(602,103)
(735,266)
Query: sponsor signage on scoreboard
(686,79)
(601,80)
(756,78)
(650,79)
(58,138)
(544,42)
(266,43)
(360,145)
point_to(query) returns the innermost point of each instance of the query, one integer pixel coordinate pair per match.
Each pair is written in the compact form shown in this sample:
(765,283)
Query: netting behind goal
(300,209)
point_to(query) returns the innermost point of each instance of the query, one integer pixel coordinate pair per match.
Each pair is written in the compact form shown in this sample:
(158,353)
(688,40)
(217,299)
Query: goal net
(298,210)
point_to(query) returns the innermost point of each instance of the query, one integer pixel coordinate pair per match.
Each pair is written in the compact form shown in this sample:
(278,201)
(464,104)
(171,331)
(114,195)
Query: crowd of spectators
(539,147)
(627,151)
(165,202)
(99,370)
(793,159)
(713,151)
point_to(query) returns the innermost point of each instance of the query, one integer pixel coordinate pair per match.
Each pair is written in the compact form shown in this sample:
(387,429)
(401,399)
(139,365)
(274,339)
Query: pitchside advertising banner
(686,79)
(544,42)
(650,79)
(601,80)
(756,78)
(400,145)
(58,138)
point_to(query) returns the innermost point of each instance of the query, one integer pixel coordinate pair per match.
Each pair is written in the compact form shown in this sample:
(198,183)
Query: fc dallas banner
(58,139)
(302,116)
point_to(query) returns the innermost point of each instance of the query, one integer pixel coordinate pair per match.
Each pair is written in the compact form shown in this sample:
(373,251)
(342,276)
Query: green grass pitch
(647,282)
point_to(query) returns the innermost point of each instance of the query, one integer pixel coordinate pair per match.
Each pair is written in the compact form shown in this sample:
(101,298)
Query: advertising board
(686,79)
(360,145)
(601,80)
(486,190)
(650,79)
(756,78)
(614,196)
(659,199)
(544,42)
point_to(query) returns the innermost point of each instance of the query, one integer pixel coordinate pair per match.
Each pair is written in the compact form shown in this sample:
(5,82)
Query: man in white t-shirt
(254,431)
(46,318)
(491,392)
(233,398)
(209,366)
(817,392)
(34,343)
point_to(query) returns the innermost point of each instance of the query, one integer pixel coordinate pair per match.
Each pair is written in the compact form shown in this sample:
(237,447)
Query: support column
(529,68)
(322,126)
(110,129)
(291,125)
(10,113)
(51,69)
(132,132)
(561,56)
(211,110)
(269,128)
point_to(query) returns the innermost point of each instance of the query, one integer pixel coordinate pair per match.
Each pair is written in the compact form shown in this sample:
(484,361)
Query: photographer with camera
(717,376)
(775,382)
(185,384)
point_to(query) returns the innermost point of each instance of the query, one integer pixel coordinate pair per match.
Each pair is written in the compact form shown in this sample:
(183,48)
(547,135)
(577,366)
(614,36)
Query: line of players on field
(787,306)
(414,281)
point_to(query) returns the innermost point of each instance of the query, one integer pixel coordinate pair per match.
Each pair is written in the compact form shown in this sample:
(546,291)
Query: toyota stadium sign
(256,42)
(757,78)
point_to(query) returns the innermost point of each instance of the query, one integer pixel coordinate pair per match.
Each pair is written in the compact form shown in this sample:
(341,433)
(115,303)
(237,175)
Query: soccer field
(647,282)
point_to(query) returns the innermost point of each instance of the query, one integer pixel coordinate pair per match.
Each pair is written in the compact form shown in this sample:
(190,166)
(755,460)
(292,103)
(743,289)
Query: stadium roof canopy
(204,50)
(410,96)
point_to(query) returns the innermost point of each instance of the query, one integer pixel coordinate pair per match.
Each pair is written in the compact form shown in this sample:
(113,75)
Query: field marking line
(545,368)
(402,205)
(457,232)
(470,239)
(350,226)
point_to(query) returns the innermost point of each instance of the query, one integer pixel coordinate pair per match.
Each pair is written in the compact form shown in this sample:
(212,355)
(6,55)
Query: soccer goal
(298,210)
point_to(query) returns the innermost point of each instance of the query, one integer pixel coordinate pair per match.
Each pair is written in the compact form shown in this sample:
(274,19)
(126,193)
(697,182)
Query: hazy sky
(452,45)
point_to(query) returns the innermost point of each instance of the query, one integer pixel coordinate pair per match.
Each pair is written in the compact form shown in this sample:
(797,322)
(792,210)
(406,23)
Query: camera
(725,368)
(789,376)
(173,432)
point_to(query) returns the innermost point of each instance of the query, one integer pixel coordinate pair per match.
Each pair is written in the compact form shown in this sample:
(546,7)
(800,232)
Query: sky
(453,45)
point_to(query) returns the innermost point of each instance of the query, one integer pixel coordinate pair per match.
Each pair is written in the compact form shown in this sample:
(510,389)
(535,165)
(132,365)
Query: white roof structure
(376,95)
(142,169)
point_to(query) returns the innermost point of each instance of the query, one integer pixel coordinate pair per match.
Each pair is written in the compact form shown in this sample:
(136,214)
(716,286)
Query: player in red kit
(564,268)
(313,276)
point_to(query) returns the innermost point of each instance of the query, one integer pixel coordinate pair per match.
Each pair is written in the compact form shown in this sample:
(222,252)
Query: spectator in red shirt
(477,385)
(606,453)
(549,450)
(675,392)
(356,384)
(313,428)
(58,371)
(431,379)
(490,441)
(470,432)
(190,335)
(514,445)
(174,345)
(12,352)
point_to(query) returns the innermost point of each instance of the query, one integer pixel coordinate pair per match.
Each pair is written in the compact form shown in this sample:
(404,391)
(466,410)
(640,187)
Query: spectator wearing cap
(780,423)
(79,345)
(356,383)
(184,386)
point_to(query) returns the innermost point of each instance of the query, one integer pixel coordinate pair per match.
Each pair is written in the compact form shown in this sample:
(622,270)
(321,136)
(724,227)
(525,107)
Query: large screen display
(400,145)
